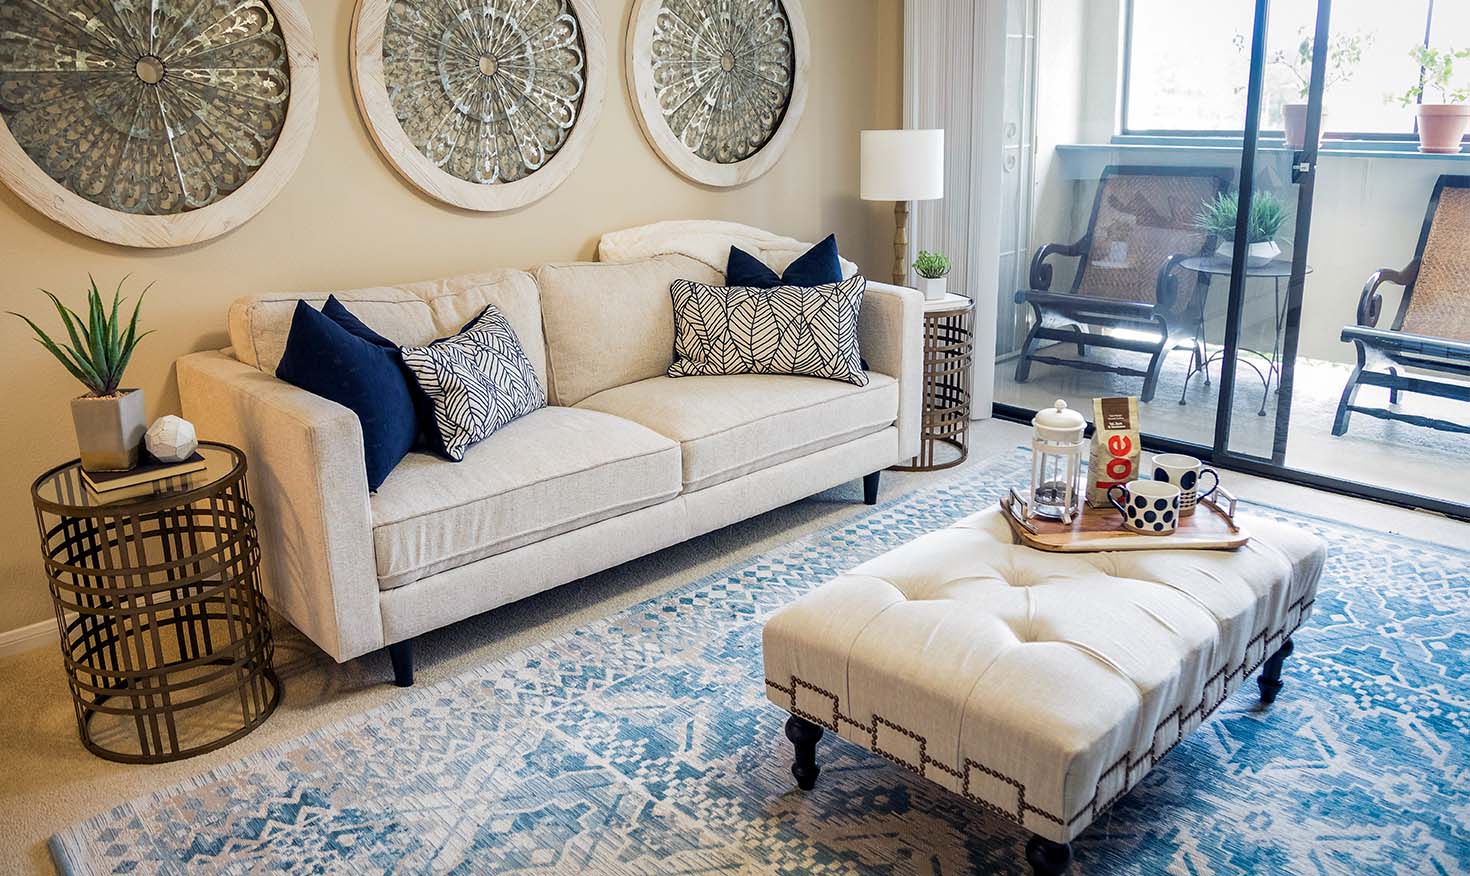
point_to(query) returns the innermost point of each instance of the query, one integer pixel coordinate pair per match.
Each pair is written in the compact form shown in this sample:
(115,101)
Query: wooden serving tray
(1210,527)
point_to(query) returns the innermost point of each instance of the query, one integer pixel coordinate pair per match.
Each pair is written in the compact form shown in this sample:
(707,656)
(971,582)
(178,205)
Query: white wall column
(956,60)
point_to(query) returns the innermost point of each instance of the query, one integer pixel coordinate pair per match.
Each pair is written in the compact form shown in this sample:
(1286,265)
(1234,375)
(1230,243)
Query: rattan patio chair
(1142,225)
(1431,330)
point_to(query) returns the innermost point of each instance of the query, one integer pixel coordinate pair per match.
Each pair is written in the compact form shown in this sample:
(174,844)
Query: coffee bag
(1114,457)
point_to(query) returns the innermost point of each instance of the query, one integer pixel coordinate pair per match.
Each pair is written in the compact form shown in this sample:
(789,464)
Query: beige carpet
(50,781)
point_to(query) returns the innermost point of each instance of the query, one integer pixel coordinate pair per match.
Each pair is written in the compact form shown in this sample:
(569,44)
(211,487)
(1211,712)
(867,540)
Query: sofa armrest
(891,336)
(308,483)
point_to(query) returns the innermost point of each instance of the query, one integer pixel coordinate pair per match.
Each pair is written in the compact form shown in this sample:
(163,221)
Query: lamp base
(901,243)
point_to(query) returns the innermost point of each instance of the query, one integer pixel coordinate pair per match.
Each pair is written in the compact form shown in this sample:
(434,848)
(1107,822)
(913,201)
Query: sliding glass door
(1118,291)
(1202,233)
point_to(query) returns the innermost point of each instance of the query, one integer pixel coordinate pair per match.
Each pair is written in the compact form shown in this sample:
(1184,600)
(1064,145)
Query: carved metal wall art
(485,104)
(719,85)
(153,124)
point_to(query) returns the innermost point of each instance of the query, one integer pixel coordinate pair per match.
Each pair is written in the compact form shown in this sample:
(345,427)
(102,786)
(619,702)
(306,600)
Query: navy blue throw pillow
(423,406)
(336,312)
(817,266)
(324,358)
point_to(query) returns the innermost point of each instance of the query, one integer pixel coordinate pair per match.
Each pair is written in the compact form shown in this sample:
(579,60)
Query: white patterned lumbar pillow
(478,381)
(811,331)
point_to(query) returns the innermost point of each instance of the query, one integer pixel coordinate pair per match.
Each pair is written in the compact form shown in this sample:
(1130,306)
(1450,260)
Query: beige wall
(347,219)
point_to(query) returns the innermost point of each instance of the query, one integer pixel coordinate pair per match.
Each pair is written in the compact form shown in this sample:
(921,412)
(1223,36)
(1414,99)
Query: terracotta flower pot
(109,430)
(1442,126)
(1294,120)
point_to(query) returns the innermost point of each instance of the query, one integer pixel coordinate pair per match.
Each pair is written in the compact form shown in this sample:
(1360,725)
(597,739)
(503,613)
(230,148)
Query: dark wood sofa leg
(870,488)
(1048,858)
(401,654)
(804,735)
(1270,680)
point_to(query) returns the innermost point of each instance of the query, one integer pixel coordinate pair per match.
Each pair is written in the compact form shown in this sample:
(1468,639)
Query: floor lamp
(902,166)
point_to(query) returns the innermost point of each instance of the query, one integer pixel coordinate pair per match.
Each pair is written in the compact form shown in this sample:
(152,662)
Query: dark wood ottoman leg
(804,735)
(1048,858)
(870,488)
(401,655)
(1270,680)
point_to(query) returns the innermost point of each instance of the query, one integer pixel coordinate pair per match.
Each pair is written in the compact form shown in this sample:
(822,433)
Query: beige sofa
(624,461)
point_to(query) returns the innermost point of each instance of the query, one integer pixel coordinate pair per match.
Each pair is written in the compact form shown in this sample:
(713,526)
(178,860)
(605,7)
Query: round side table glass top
(165,634)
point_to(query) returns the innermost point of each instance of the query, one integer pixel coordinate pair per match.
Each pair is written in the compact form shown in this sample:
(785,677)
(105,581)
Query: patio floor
(1382,453)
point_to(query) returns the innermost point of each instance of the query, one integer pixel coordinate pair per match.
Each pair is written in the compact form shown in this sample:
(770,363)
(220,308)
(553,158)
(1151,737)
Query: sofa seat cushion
(732,425)
(549,472)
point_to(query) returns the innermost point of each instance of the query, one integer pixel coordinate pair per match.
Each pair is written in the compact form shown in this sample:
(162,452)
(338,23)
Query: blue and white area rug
(644,744)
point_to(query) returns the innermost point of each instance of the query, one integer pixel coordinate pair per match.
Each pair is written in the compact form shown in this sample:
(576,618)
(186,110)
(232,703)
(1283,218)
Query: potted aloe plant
(932,268)
(1267,215)
(1442,124)
(109,419)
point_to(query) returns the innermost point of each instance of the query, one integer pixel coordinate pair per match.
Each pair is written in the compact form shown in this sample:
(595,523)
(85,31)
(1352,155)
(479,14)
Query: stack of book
(149,477)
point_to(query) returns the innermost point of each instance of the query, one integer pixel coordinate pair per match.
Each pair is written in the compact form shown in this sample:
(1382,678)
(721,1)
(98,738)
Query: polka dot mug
(1148,507)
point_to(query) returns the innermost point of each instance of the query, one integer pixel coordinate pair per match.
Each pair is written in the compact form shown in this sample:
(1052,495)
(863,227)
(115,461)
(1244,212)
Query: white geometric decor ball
(171,439)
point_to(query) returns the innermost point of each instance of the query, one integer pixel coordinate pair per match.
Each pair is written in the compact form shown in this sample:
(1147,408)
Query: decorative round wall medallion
(719,85)
(484,104)
(154,124)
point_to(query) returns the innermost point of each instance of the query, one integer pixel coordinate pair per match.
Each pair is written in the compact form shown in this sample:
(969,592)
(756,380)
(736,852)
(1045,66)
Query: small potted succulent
(109,419)
(1343,54)
(1267,215)
(932,268)
(1442,124)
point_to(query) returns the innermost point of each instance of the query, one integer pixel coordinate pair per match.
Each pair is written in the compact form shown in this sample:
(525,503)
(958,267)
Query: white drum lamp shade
(902,166)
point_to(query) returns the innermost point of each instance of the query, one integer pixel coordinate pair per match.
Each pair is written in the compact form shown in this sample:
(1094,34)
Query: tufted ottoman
(1042,686)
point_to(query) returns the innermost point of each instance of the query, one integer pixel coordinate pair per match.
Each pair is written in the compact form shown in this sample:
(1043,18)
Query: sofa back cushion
(260,324)
(411,314)
(457,300)
(611,324)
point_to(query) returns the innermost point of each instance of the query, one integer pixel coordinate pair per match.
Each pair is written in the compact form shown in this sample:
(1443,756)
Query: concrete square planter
(109,430)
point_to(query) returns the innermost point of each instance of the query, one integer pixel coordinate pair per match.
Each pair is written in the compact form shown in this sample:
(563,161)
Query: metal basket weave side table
(165,635)
(949,347)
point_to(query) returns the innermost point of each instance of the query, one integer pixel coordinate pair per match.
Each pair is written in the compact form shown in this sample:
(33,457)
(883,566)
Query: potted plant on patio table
(1267,215)
(1442,124)
(109,420)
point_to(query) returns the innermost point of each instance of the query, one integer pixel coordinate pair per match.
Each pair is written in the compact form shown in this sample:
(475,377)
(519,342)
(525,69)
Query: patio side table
(949,347)
(1275,271)
(165,634)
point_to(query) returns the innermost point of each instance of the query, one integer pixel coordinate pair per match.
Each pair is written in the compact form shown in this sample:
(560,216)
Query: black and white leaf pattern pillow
(811,331)
(478,381)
